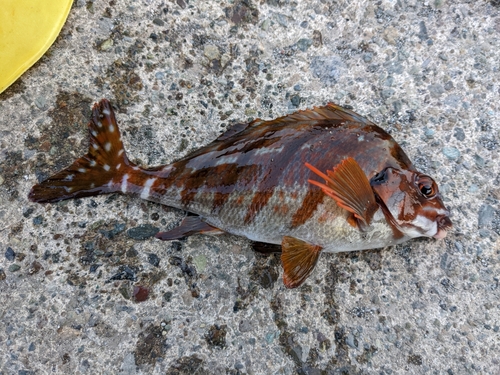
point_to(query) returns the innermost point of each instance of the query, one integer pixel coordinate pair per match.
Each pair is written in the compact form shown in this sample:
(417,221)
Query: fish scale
(263,181)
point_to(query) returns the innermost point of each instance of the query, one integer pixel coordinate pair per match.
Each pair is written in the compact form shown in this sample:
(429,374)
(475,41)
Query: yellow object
(27,30)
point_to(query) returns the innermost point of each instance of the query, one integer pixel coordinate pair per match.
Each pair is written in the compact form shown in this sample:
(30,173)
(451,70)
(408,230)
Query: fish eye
(427,186)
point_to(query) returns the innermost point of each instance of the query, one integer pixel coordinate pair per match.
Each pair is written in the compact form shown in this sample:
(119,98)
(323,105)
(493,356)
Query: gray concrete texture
(180,73)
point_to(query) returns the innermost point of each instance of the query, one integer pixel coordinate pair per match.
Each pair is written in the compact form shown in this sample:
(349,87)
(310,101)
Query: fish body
(264,181)
(254,184)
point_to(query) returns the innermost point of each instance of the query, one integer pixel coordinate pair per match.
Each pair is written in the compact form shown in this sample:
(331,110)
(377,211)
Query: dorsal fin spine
(330,111)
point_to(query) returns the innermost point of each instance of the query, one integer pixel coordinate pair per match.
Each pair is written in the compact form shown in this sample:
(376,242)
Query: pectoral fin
(299,259)
(189,226)
(348,185)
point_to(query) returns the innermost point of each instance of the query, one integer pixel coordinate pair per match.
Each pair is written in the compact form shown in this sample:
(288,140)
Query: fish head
(414,201)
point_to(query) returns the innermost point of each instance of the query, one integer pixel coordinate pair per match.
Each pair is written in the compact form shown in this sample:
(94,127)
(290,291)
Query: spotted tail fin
(102,170)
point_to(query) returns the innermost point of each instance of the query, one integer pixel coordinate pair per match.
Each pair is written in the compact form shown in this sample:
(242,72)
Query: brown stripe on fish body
(298,153)
(310,203)
(221,179)
(218,202)
(274,164)
(235,178)
(259,200)
(174,174)
(281,209)
(269,159)
(248,160)
(250,171)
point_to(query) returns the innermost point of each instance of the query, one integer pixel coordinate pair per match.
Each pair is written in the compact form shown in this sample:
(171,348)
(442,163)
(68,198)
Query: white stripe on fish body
(124,183)
(231,159)
(147,187)
(268,150)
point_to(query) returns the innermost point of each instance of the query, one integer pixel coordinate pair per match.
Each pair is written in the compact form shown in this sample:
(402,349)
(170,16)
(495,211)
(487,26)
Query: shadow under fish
(318,180)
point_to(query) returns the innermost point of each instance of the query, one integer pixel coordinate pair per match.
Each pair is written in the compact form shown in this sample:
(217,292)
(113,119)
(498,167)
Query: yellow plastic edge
(27,30)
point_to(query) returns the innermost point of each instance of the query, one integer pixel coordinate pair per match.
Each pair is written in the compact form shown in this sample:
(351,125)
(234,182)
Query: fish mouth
(444,224)
(441,233)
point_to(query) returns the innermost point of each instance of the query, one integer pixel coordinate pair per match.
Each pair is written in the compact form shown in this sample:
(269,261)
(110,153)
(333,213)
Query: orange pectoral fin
(299,259)
(348,185)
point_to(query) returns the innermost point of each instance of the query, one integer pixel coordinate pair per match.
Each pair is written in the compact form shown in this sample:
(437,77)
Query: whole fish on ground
(319,180)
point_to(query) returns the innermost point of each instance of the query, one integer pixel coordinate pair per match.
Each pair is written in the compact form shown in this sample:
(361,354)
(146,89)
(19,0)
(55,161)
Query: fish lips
(444,224)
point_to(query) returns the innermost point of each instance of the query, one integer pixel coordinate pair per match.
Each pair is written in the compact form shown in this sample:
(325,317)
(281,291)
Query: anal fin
(189,226)
(299,259)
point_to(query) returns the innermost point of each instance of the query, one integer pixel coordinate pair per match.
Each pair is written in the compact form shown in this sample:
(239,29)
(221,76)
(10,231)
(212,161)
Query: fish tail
(104,169)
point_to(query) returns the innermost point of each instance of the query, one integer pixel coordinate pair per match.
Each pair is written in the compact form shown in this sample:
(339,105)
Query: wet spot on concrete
(69,117)
(415,359)
(142,232)
(18,87)
(332,279)
(242,12)
(373,258)
(116,229)
(150,346)
(189,272)
(216,336)
(123,79)
(12,165)
(367,354)
(265,271)
(188,366)
(125,273)
(140,293)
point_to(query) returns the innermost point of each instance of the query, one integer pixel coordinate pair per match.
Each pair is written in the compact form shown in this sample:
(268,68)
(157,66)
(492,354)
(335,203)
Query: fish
(319,180)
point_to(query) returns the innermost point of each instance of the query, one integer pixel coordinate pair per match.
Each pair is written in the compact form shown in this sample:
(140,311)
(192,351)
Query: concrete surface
(181,72)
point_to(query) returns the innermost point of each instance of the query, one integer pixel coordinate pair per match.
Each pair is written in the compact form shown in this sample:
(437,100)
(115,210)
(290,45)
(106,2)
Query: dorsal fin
(233,130)
(330,111)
